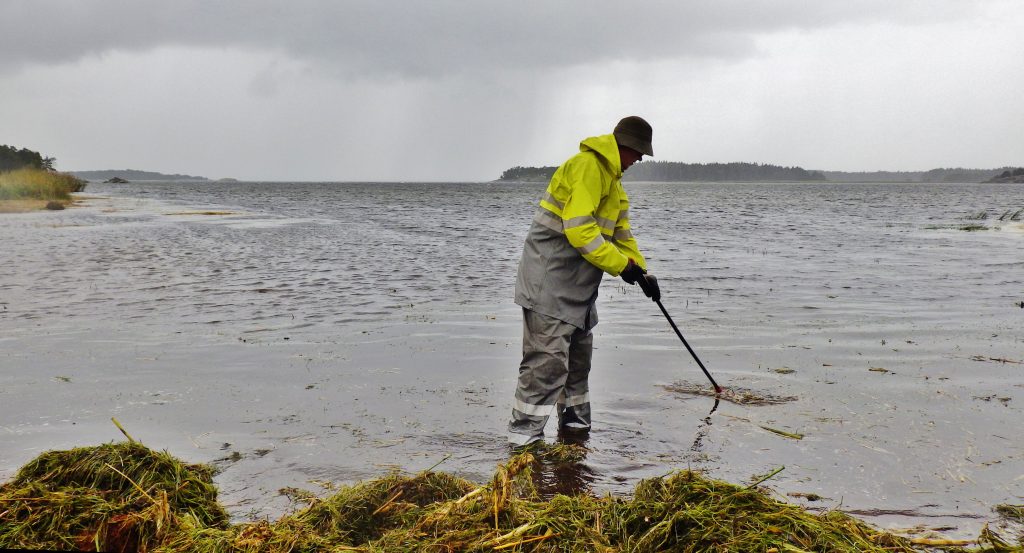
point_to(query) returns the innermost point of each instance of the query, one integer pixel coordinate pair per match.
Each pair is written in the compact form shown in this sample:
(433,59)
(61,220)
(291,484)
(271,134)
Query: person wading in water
(580,231)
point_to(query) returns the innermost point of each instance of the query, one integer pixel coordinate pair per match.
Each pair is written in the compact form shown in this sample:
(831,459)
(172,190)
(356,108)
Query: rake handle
(718,389)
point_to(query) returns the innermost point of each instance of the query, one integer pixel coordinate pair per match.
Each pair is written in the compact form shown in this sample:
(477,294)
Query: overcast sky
(461,90)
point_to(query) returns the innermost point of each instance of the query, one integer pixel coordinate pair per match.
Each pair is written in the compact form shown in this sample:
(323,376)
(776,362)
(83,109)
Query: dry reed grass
(37,184)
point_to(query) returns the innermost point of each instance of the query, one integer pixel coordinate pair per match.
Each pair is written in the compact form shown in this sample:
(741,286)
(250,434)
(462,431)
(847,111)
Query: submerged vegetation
(1011,512)
(126,497)
(1012,215)
(1007,216)
(733,394)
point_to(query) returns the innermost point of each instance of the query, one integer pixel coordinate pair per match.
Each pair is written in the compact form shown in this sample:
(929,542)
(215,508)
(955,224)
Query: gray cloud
(391,38)
(460,90)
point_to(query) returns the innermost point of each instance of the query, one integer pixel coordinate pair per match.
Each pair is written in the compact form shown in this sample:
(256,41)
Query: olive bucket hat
(635,133)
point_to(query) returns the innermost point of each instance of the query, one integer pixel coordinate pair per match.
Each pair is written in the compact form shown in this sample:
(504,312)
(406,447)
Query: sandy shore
(24,206)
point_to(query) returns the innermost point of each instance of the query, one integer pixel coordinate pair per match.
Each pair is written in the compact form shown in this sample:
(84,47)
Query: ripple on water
(852,274)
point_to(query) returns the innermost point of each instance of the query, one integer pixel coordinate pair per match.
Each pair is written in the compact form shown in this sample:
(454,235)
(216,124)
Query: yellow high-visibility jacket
(580,231)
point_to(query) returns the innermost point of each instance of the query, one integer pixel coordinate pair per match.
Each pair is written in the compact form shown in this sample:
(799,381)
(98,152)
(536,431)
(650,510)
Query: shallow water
(316,332)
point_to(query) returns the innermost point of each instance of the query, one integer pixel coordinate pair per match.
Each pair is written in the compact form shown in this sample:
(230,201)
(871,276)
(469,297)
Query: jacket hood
(607,150)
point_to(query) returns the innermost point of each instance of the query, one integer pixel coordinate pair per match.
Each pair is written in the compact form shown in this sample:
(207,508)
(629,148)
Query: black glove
(632,273)
(649,284)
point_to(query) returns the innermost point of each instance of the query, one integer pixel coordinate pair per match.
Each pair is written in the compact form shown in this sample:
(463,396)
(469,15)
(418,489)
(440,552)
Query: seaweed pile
(114,497)
(126,497)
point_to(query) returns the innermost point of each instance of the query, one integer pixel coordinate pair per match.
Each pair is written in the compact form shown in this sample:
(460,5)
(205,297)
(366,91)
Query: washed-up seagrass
(125,497)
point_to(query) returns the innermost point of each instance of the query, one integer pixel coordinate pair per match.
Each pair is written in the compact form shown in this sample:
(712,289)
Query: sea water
(300,333)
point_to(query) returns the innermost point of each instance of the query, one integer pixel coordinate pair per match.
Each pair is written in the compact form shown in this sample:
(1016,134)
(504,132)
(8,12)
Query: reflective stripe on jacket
(580,231)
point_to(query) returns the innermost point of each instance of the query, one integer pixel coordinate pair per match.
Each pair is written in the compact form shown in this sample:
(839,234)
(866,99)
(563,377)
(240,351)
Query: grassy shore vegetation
(30,188)
(125,497)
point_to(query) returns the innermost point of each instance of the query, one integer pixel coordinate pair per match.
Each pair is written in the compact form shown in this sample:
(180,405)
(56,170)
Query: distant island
(1010,175)
(672,171)
(956,174)
(528,174)
(131,175)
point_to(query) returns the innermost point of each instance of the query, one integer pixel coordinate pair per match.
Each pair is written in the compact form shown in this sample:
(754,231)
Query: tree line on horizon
(13,158)
(951,175)
(717,172)
(674,171)
(134,175)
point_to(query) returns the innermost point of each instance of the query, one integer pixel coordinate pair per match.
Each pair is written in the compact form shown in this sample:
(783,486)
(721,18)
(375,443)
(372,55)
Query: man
(581,231)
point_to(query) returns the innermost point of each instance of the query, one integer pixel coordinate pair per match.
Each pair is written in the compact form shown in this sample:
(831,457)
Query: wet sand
(293,341)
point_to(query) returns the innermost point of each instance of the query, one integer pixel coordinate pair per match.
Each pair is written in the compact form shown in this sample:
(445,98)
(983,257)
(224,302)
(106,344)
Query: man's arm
(623,236)
(582,228)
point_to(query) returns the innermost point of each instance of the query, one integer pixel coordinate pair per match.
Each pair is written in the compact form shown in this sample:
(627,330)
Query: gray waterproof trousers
(554,371)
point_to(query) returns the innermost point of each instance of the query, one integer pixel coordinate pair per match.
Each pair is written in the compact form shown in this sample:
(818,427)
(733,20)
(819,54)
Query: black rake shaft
(718,389)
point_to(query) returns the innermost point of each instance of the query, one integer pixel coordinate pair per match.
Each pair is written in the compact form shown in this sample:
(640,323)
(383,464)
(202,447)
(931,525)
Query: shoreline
(32,205)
